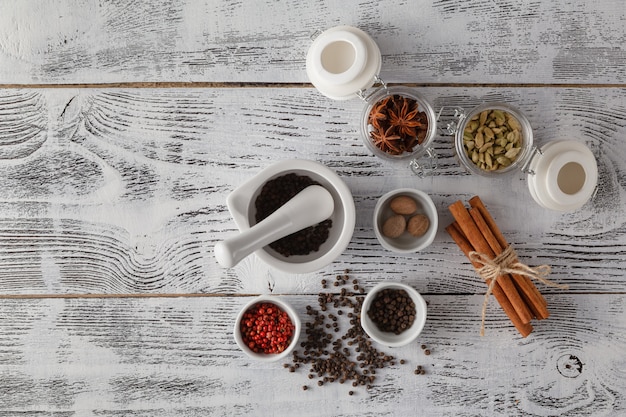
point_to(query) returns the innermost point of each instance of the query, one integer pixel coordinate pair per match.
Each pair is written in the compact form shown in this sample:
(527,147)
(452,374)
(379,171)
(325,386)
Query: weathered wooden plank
(443,41)
(123,191)
(176,356)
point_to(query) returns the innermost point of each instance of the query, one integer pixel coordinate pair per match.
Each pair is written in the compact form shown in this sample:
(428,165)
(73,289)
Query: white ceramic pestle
(310,206)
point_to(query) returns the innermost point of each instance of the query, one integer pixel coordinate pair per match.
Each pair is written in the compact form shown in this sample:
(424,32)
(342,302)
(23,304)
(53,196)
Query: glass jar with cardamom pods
(493,139)
(496,139)
(397,124)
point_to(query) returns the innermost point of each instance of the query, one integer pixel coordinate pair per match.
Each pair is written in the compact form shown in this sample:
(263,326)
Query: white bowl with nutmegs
(383,304)
(405,220)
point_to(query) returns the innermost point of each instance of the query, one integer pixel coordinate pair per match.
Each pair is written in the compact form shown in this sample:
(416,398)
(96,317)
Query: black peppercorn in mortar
(392,310)
(274,194)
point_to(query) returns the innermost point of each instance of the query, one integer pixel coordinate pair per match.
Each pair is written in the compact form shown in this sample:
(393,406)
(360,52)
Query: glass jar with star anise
(398,124)
(344,62)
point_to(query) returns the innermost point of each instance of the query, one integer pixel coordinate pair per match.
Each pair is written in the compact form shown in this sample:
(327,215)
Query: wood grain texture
(163,356)
(111,302)
(123,191)
(74,41)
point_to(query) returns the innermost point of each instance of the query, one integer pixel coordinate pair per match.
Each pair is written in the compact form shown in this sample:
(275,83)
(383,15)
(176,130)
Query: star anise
(397,125)
(404,118)
(378,114)
(387,141)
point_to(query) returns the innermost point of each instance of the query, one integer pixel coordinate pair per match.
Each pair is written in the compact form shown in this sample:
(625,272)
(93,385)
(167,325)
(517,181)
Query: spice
(392,310)
(476,233)
(404,219)
(394,226)
(492,139)
(403,204)
(266,328)
(274,194)
(418,225)
(339,357)
(397,125)
(486,223)
(504,290)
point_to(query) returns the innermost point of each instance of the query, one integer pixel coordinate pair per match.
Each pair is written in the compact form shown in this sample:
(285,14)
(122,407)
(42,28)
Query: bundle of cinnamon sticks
(475,230)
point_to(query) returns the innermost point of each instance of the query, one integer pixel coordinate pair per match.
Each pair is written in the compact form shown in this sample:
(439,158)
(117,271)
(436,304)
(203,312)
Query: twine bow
(506,263)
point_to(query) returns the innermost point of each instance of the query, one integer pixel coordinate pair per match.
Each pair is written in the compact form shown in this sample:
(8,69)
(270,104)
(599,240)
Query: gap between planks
(176,85)
(212,295)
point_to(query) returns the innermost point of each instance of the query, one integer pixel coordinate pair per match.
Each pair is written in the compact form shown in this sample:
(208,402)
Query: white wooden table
(123,127)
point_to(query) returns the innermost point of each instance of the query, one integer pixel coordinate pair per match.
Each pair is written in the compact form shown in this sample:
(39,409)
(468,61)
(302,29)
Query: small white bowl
(387,338)
(293,316)
(406,243)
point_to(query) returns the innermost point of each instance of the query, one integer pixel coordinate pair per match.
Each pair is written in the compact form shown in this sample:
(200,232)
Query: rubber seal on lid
(343,61)
(339,57)
(565,175)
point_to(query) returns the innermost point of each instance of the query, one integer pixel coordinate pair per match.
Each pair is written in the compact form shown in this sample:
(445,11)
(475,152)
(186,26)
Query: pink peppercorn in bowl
(267,328)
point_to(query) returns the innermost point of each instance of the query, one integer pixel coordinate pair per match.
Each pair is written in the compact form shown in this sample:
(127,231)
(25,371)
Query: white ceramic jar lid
(563,175)
(343,61)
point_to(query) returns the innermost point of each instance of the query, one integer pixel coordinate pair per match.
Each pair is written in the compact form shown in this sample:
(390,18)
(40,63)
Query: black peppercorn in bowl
(493,139)
(393,314)
(310,249)
(398,124)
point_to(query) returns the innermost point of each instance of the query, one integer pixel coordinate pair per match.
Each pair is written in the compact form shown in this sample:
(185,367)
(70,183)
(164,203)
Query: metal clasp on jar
(374,89)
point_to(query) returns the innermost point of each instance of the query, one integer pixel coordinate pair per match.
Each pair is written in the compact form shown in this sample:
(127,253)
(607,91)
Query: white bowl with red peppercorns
(267,328)
(393,314)
(405,220)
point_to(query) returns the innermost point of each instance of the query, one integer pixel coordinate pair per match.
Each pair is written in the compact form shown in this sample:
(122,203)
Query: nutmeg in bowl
(405,220)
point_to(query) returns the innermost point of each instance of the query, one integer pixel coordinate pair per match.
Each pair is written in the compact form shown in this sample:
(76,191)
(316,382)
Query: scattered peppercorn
(427,352)
(350,392)
(334,357)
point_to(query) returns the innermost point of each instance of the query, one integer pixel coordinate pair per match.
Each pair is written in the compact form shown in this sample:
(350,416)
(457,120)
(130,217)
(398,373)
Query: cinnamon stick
(523,328)
(526,288)
(476,239)
(477,203)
